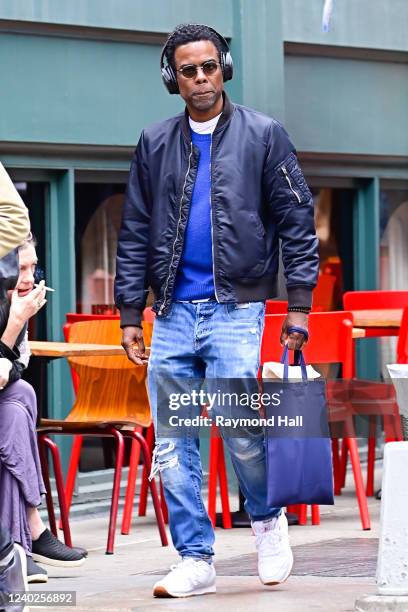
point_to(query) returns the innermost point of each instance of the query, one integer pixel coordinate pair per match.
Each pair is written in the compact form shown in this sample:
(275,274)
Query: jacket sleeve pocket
(292,179)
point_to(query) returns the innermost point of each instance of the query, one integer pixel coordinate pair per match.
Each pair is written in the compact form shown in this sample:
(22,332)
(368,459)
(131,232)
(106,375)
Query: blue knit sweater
(194,280)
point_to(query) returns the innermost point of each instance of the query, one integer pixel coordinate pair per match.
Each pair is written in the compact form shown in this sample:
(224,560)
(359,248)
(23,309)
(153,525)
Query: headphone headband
(168,74)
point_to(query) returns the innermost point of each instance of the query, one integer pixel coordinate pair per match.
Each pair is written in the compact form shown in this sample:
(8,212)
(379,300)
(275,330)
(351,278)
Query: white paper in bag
(274,369)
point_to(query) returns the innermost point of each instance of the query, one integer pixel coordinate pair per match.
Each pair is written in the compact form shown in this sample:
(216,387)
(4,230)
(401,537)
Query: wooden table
(54,350)
(382,317)
(358,332)
(72,349)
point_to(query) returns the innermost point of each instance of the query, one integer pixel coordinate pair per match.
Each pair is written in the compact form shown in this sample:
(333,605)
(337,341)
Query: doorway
(334,227)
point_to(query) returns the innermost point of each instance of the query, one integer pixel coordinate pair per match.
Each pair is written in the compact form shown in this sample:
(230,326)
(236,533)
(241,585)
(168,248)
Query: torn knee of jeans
(163,458)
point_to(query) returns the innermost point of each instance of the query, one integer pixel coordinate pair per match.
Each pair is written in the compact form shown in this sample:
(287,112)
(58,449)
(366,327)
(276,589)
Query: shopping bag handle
(298,360)
(300,330)
(298,356)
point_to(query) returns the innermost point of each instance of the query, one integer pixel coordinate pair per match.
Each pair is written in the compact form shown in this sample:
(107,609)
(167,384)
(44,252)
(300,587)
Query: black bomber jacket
(258,197)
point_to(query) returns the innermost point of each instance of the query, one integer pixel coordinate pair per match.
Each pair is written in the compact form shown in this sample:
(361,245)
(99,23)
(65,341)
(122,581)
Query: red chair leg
(336,466)
(343,464)
(302,514)
(145,474)
(131,485)
(358,479)
(222,475)
(59,481)
(392,428)
(72,472)
(163,504)
(152,485)
(46,476)
(212,475)
(115,490)
(371,456)
(315,514)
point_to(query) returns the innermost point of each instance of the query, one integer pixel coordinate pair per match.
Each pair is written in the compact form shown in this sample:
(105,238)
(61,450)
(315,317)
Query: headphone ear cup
(169,79)
(227,66)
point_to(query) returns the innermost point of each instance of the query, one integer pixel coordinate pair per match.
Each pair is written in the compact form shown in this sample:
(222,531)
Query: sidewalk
(334,565)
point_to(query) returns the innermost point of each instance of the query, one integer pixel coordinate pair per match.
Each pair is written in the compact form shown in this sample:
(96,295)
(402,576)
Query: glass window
(394,239)
(393,255)
(98,210)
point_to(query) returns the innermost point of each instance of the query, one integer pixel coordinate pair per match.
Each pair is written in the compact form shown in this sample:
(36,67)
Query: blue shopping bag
(297,438)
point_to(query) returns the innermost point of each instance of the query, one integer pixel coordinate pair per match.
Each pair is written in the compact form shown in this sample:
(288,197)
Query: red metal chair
(281,307)
(149,315)
(135,448)
(374,300)
(217,471)
(44,443)
(330,342)
(276,306)
(384,396)
(333,265)
(323,293)
(373,399)
(111,397)
(217,461)
(73,317)
(402,346)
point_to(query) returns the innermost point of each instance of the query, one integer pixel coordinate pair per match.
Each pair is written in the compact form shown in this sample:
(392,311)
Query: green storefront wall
(79,83)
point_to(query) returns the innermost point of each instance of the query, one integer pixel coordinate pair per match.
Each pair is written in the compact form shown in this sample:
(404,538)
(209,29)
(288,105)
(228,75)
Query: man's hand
(294,340)
(133,343)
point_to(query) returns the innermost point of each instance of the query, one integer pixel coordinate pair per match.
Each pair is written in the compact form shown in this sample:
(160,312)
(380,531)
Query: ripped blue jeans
(206,341)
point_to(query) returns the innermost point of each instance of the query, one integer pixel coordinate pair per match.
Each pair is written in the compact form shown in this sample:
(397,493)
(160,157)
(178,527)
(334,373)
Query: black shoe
(35,573)
(378,494)
(51,551)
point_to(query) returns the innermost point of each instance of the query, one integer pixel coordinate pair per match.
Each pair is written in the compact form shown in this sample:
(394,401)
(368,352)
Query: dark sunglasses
(190,71)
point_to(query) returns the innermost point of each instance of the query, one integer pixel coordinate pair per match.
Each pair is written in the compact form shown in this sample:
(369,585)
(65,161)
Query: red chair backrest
(402,345)
(333,266)
(371,300)
(149,315)
(276,306)
(281,306)
(323,293)
(331,339)
(75,317)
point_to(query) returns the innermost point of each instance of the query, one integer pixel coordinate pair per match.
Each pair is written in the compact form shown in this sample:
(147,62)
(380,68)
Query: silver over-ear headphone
(169,76)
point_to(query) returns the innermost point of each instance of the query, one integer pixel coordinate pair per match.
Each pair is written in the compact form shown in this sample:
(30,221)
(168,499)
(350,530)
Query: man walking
(210,194)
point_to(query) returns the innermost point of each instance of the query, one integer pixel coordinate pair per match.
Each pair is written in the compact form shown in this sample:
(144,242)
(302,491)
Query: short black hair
(187,33)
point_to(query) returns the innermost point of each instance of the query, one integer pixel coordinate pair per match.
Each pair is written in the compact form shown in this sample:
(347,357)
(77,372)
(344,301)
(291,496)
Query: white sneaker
(275,558)
(189,577)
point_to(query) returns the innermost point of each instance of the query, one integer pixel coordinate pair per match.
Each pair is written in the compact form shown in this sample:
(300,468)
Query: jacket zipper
(211,222)
(286,175)
(177,231)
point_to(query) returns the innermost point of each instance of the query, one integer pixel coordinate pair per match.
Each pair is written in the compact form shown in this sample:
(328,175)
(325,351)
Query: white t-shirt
(204,127)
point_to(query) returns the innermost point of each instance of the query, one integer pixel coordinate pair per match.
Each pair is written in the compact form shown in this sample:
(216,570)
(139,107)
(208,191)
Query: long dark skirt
(21,483)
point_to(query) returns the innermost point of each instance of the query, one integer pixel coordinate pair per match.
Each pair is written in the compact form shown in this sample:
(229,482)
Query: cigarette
(44,287)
